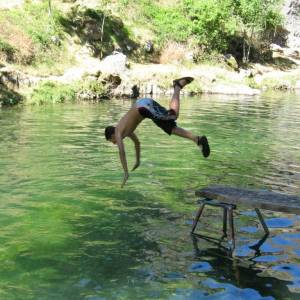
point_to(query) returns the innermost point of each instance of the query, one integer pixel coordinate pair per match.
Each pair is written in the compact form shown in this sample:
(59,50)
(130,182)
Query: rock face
(291,10)
(11,3)
(114,64)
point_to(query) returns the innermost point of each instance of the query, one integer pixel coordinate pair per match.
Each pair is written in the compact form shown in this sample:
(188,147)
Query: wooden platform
(227,198)
(252,198)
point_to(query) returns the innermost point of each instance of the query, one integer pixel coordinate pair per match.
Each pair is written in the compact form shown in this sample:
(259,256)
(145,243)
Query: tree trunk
(244,49)
(250,43)
(49,8)
(102,34)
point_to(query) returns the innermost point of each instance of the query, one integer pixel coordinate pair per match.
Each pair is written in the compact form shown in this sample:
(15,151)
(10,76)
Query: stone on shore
(114,64)
(230,89)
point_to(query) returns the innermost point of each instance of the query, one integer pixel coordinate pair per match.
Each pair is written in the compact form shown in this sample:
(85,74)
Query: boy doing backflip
(163,118)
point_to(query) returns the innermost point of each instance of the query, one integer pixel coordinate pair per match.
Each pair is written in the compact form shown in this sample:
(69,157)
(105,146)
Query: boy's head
(110,134)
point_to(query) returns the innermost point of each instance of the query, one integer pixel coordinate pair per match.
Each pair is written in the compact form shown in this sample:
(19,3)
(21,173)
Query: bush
(53,92)
(91,90)
(50,92)
(212,22)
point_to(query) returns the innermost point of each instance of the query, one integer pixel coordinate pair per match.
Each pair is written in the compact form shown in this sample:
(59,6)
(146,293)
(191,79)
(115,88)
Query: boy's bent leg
(202,141)
(178,84)
(175,103)
(185,134)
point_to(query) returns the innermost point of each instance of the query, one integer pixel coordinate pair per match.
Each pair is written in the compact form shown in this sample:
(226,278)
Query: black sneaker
(203,142)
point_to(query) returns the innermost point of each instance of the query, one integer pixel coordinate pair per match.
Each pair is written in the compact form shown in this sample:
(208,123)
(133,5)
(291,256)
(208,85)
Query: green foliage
(167,22)
(50,92)
(210,24)
(93,86)
(255,19)
(258,13)
(35,20)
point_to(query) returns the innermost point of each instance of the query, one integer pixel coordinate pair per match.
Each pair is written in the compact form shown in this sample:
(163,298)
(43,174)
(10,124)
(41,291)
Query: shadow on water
(103,253)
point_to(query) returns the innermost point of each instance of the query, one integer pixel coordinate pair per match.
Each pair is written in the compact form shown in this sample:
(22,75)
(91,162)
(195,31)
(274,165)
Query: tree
(212,21)
(104,9)
(50,7)
(254,18)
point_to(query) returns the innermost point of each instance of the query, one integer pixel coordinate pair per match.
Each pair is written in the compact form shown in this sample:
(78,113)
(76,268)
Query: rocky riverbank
(127,79)
(119,75)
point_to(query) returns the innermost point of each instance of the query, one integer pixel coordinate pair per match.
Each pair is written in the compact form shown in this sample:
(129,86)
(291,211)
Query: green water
(69,232)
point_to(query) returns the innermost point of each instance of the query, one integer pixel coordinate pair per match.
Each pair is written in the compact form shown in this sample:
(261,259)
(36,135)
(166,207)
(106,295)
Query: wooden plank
(253,198)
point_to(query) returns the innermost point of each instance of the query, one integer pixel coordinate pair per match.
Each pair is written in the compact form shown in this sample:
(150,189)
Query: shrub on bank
(53,92)
(50,92)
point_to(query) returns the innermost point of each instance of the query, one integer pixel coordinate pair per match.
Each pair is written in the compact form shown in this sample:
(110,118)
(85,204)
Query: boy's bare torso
(129,122)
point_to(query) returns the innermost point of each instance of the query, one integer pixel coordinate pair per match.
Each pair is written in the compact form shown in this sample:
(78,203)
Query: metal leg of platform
(224,221)
(228,218)
(262,221)
(231,228)
(199,213)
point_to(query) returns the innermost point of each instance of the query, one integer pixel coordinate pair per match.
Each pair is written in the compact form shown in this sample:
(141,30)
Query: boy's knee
(172,113)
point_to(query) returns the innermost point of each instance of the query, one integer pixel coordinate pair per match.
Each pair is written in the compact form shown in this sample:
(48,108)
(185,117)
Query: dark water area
(68,231)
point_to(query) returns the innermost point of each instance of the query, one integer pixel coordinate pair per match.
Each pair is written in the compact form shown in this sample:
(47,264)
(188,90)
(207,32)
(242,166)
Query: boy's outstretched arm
(137,146)
(122,154)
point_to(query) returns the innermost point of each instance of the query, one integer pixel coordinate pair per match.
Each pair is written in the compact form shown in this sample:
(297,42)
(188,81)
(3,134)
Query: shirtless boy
(163,118)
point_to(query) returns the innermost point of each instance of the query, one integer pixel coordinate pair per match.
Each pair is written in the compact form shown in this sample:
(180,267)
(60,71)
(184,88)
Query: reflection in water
(247,278)
(69,232)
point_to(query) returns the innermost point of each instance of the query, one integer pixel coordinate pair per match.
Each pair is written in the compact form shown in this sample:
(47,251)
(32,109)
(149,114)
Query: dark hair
(109,131)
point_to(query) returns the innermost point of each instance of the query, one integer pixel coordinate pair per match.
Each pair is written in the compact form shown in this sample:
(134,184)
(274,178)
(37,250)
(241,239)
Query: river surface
(68,231)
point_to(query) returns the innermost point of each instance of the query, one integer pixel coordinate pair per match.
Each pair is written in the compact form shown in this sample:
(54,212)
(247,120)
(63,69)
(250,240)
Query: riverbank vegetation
(243,28)
(53,92)
(44,37)
(31,34)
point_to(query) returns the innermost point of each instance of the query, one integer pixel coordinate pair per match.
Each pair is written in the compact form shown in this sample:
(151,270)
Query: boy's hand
(126,175)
